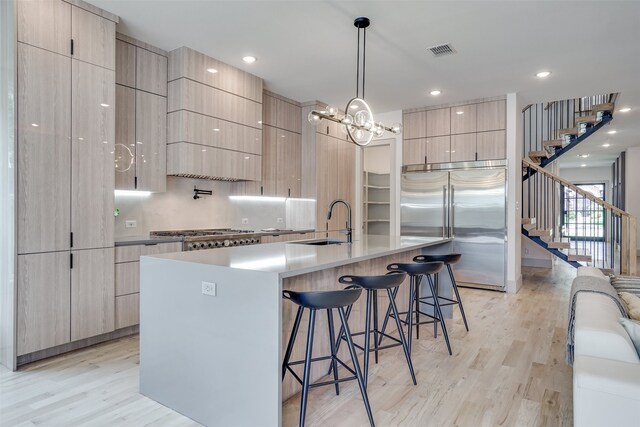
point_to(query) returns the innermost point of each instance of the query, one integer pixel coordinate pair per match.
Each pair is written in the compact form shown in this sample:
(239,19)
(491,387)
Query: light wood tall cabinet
(281,146)
(465,132)
(141,116)
(66,132)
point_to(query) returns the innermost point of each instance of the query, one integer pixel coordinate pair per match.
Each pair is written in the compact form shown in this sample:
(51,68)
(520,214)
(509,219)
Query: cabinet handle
(425,160)
(71,46)
(71,260)
(71,239)
(135,182)
(289,192)
(476,155)
(262,190)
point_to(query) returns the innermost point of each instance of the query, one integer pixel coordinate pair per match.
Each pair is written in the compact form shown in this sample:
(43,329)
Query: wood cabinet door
(43,301)
(438,149)
(92,293)
(151,72)
(151,141)
(439,122)
(269,110)
(92,155)
(463,119)
(492,116)
(126,64)
(269,160)
(463,147)
(125,140)
(414,125)
(414,151)
(288,170)
(127,278)
(288,116)
(127,310)
(492,145)
(94,38)
(44,164)
(45,24)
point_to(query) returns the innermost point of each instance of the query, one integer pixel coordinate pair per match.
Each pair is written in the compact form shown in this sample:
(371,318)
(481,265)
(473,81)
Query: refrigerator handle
(444,211)
(452,212)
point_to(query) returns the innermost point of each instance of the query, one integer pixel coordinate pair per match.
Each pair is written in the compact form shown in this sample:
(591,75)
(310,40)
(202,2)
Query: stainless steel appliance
(466,201)
(211,238)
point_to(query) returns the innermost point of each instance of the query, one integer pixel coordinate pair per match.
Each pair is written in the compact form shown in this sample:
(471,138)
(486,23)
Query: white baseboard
(513,286)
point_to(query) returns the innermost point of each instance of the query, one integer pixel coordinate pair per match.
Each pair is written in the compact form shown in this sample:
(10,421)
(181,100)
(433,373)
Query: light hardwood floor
(508,370)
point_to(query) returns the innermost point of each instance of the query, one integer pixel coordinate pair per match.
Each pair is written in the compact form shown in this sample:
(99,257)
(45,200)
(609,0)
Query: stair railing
(604,238)
(543,121)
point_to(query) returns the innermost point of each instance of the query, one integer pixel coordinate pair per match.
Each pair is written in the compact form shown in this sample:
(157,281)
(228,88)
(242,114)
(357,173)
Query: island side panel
(208,357)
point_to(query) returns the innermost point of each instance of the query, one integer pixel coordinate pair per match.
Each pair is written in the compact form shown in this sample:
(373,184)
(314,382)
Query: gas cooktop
(200,233)
(210,238)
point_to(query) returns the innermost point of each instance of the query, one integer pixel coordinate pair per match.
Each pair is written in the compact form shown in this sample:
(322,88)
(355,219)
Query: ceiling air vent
(442,49)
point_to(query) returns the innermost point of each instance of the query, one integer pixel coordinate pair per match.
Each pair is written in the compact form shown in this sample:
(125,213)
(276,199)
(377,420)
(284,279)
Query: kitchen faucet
(348,230)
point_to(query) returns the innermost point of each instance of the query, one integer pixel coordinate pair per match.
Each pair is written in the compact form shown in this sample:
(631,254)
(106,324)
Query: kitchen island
(213,323)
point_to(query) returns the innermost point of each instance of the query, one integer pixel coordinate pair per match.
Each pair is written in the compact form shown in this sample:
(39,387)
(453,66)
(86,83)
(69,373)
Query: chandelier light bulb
(396,127)
(359,134)
(347,120)
(314,118)
(331,110)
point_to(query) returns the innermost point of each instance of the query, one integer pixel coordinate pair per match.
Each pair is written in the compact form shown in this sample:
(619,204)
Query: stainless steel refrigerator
(465,201)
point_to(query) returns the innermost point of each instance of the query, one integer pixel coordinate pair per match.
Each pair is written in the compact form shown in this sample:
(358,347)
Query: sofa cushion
(633,304)
(630,284)
(591,271)
(633,329)
(598,332)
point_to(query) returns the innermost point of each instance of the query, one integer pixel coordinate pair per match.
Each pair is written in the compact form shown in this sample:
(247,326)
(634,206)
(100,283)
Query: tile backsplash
(176,209)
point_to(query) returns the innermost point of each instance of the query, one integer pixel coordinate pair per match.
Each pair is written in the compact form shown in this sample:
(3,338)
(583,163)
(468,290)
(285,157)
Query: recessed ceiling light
(212,70)
(543,74)
(459,112)
(584,156)
(606,145)
(625,110)
(249,59)
(611,132)
(583,165)
(216,130)
(435,92)
(104,105)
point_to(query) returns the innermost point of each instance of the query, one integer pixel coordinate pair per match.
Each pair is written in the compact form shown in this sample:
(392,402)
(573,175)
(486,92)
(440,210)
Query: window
(583,219)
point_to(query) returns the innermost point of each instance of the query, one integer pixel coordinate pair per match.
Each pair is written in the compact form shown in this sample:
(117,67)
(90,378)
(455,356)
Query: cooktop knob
(227,243)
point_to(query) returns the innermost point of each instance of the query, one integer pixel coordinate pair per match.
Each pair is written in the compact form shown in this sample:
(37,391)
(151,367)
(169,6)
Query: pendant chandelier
(357,119)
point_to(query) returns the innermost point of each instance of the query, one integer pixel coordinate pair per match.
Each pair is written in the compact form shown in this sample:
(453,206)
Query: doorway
(583,219)
(376,191)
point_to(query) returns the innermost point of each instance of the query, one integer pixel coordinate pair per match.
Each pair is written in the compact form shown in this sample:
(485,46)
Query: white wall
(514,192)
(632,181)
(176,209)
(7,182)
(589,175)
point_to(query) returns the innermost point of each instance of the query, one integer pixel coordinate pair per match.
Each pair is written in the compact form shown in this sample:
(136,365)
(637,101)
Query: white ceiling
(306,50)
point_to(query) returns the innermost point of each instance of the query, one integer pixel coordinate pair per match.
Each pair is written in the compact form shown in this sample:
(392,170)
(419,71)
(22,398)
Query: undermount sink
(322,242)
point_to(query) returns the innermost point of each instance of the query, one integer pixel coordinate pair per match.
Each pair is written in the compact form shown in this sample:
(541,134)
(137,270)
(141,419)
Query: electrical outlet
(279,220)
(130,224)
(209,288)
(245,220)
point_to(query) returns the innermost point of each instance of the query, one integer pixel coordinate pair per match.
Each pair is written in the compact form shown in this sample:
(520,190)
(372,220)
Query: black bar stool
(372,284)
(416,272)
(326,300)
(448,260)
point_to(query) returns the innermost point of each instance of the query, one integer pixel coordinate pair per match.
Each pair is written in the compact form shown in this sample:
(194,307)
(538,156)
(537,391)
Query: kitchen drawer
(127,310)
(127,278)
(131,253)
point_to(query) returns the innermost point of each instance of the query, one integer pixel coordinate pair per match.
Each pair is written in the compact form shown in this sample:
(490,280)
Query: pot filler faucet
(348,230)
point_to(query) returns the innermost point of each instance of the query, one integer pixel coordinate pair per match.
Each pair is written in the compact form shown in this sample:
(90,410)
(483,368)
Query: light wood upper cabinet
(94,38)
(44,165)
(126,64)
(463,147)
(92,155)
(288,116)
(184,159)
(269,160)
(439,122)
(463,119)
(491,145)
(438,149)
(414,125)
(151,72)
(288,160)
(269,110)
(125,142)
(43,301)
(45,24)
(414,151)
(151,142)
(491,116)
(92,293)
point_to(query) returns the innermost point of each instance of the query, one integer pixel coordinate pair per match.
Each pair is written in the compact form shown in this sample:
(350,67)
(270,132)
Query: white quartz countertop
(292,258)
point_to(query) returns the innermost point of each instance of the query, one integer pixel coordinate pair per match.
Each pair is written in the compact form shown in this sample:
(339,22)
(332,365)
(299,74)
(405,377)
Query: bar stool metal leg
(455,289)
(332,344)
(307,367)
(435,324)
(367,336)
(438,310)
(356,366)
(410,312)
(417,299)
(405,347)
(292,340)
(375,324)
